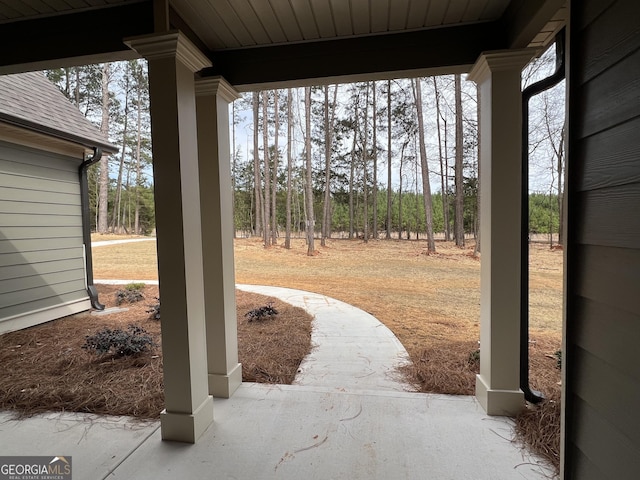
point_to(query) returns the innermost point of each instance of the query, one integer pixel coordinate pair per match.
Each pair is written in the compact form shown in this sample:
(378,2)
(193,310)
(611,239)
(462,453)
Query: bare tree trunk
(136,222)
(103,190)
(426,186)
(388,236)
(267,171)
(443,171)
(326,208)
(404,145)
(287,237)
(560,172)
(234,169)
(116,220)
(374,227)
(459,219)
(274,177)
(309,186)
(476,250)
(365,166)
(257,181)
(352,171)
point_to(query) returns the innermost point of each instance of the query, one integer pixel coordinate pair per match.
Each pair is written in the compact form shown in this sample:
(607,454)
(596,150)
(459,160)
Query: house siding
(602,434)
(42,265)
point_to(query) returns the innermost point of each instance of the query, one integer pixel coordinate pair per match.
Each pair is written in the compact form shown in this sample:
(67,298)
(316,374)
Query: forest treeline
(384,159)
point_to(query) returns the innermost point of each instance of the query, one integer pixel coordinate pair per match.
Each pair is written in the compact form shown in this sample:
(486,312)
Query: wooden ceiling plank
(252,23)
(455,11)
(360,17)
(306,20)
(398,14)
(287,19)
(229,16)
(22,8)
(342,17)
(436,13)
(494,9)
(216,23)
(208,34)
(324,18)
(269,21)
(417,13)
(379,16)
(474,11)
(39,6)
(6,12)
(58,5)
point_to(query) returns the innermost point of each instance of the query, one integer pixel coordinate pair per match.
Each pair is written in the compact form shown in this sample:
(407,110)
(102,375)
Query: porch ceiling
(253,42)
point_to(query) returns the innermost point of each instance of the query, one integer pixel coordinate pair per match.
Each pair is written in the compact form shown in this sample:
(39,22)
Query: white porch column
(213,96)
(498,77)
(173,59)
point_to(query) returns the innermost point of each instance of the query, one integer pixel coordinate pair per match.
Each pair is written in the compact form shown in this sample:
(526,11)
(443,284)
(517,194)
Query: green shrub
(261,313)
(120,343)
(128,295)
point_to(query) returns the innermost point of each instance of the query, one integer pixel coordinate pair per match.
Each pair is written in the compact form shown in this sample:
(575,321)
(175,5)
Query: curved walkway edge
(352,349)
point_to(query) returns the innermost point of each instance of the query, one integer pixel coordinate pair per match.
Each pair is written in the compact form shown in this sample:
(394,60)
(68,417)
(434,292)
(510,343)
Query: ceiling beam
(91,36)
(447,49)
(523,19)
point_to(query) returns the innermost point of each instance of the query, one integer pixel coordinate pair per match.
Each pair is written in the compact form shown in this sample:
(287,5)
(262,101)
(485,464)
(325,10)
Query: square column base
(499,402)
(187,427)
(223,386)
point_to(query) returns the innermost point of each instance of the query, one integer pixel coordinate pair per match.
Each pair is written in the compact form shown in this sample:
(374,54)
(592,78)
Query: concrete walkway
(104,243)
(352,349)
(346,417)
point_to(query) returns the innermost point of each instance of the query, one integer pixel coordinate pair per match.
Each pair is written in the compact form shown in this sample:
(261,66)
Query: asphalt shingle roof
(31,101)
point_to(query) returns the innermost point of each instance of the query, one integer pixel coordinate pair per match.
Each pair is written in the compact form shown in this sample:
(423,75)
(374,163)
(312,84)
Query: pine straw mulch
(46,369)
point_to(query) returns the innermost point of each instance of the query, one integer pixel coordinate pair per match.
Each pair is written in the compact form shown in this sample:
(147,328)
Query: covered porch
(293,432)
(200,57)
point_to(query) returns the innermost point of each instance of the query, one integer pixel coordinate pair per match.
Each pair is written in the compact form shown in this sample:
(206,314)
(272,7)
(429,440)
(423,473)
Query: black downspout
(532,90)
(86,225)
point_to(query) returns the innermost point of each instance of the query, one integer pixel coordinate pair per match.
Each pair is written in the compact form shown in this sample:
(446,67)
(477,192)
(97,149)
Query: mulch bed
(46,369)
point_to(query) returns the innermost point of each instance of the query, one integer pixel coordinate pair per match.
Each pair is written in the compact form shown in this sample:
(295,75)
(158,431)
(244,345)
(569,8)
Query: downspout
(532,90)
(86,226)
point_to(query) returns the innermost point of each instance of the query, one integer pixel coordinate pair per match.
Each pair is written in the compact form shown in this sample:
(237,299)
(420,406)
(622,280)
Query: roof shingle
(30,100)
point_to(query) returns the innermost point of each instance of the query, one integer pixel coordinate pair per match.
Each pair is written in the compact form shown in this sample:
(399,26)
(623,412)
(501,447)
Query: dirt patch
(46,368)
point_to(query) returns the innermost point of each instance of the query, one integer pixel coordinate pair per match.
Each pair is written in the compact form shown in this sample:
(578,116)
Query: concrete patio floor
(360,423)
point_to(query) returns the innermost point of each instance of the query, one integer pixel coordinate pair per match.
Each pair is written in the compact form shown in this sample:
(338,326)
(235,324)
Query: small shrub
(120,343)
(134,286)
(129,294)
(474,358)
(261,313)
(154,310)
(558,356)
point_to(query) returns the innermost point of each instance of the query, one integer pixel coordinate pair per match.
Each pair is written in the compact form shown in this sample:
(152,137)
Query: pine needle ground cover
(46,368)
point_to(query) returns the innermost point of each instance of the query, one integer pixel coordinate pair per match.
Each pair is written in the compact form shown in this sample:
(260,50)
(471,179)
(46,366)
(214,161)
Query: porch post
(213,96)
(172,62)
(498,77)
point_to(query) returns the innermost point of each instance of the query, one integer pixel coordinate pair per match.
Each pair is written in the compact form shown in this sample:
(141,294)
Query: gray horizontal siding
(41,244)
(36,244)
(56,299)
(603,255)
(40,280)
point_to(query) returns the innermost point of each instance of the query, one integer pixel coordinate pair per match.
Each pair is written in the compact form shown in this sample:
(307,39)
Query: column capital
(216,86)
(172,44)
(499,60)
